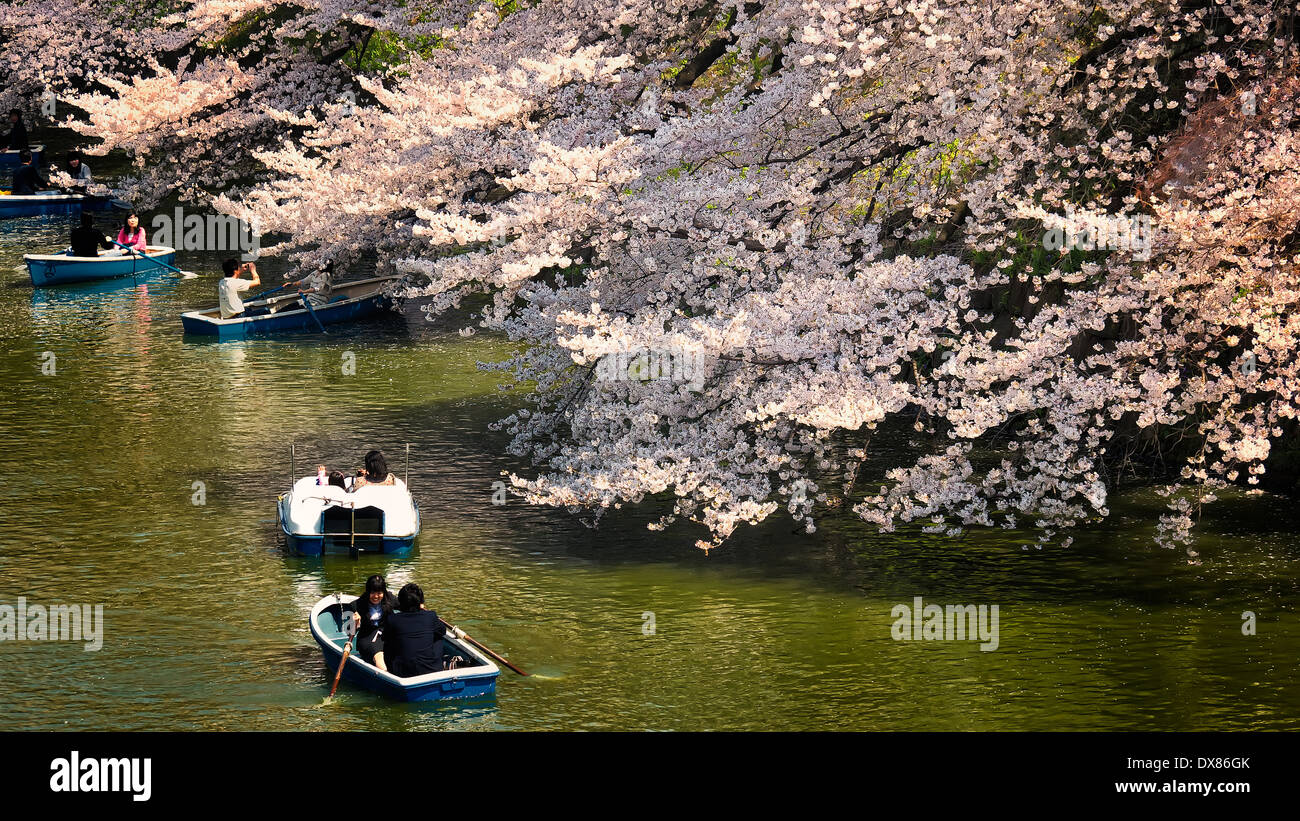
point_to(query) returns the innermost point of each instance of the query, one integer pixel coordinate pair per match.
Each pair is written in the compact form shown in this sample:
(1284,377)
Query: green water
(205,616)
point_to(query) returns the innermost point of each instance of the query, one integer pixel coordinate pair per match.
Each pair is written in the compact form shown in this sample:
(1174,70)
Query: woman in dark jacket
(371,613)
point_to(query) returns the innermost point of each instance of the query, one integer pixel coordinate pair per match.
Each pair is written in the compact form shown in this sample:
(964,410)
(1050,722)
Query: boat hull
(476,681)
(58,269)
(46,203)
(307,545)
(195,322)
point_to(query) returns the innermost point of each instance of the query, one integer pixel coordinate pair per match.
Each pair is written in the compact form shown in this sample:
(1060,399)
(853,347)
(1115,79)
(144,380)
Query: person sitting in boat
(413,638)
(17,136)
(131,234)
(317,287)
(27,180)
(371,613)
(78,170)
(337,479)
(375,472)
(231,286)
(87,240)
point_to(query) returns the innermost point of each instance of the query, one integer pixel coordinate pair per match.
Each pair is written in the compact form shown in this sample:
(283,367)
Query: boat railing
(352,505)
(352,535)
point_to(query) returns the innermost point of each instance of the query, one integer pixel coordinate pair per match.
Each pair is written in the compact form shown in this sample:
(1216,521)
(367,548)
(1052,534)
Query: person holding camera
(231,286)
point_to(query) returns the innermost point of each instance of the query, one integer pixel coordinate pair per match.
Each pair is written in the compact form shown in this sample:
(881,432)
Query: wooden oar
(461,634)
(146,256)
(347,648)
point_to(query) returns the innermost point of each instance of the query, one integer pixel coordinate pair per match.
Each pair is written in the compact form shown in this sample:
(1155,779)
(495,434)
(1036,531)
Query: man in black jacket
(413,637)
(27,180)
(17,135)
(86,241)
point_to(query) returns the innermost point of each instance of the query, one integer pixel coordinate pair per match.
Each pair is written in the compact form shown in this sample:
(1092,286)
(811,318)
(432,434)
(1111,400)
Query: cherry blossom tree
(936,262)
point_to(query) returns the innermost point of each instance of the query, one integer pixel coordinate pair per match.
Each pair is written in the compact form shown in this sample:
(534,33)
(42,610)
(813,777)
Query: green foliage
(507,7)
(385,52)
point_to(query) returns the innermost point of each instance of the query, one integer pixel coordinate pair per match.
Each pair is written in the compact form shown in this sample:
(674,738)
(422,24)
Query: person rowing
(316,287)
(87,240)
(231,286)
(413,641)
(27,180)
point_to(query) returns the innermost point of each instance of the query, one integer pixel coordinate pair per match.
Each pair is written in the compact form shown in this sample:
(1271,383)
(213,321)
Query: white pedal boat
(318,519)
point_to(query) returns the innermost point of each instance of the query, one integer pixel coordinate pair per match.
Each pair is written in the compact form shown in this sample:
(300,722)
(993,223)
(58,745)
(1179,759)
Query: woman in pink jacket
(131,234)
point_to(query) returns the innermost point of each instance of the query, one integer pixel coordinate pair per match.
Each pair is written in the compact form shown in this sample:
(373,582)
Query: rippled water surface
(206,616)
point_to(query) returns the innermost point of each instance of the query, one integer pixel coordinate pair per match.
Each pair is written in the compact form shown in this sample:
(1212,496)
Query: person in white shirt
(231,286)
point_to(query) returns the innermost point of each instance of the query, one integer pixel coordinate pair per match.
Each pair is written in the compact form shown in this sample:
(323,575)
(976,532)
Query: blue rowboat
(475,679)
(324,519)
(50,202)
(285,313)
(56,269)
(9,159)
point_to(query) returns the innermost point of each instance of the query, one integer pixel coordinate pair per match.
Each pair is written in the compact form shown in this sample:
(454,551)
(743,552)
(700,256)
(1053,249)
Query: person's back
(86,240)
(375,472)
(413,636)
(413,643)
(27,180)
